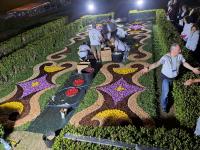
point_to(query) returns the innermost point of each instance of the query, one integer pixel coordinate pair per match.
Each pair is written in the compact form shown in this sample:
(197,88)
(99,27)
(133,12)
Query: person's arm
(188,66)
(191,81)
(151,67)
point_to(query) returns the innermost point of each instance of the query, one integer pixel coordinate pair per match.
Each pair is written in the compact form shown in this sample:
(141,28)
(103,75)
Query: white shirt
(192,41)
(187,30)
(171,65)
(120,46)
(83,51)
(121,33)
(95,37)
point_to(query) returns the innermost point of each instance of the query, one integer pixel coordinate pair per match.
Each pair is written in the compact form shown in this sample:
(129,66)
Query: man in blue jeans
(170,69)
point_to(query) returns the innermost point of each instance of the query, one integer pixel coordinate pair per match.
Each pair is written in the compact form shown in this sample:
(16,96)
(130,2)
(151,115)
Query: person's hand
(196,71)
(188,82)
(145,70)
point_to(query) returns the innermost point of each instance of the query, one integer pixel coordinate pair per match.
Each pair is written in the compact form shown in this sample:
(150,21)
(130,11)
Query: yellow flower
(120,88)
(53,68)
(136,22)
(114,115)
(17,106)
(124,71)
(35,84)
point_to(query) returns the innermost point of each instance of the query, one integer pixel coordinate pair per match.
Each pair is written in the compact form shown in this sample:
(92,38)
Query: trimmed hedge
(167,32)
(135,15)
(33,53)
(1,131)
(148,99)
(52,27)
(186,99)
(167,139)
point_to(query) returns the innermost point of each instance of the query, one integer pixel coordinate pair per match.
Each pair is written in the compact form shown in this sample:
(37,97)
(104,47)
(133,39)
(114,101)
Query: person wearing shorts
(95,42)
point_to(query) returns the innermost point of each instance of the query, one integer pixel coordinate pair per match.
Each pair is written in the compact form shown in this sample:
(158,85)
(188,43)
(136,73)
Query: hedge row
(159,137)
(186,99)
(59,25)
(1,131)
(135,15)
(167,32)
(167,139)
(35,52)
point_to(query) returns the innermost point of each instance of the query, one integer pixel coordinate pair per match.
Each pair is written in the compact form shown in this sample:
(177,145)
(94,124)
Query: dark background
(76,9)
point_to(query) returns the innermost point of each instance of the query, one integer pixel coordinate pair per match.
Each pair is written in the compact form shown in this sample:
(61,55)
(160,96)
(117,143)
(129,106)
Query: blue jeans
(166,84)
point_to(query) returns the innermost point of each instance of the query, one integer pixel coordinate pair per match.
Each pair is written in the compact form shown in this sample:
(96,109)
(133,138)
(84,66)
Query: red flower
(78,82)
(71,92)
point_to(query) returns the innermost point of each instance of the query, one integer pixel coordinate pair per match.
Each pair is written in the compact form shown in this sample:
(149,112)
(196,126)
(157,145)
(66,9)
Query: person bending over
(121,46)
(84,51)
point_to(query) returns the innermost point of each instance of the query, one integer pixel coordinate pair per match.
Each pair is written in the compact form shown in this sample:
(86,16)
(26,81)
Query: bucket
(117,56)
(49,139)
(88,74)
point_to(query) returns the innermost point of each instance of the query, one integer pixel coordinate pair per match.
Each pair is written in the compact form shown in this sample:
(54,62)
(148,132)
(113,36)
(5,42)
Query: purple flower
(35,85)
(120,90)
(136,27)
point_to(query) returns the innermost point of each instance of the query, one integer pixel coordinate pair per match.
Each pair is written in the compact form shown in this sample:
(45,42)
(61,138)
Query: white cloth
(111,26)
(171,65)
(197,130)
(83,51)
(192,41)
(95,37)
(121,33)
(187,30)
(120,46)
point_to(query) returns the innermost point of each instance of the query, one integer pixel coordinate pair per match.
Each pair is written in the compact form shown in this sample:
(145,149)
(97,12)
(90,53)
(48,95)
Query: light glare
(91,7)
(140,2)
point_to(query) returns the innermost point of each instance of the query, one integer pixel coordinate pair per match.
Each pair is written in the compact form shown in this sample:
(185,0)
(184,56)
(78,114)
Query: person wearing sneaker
(171,63)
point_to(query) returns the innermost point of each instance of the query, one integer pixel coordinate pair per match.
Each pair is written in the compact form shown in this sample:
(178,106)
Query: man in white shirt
(95,42)
(83,52)
(170,69)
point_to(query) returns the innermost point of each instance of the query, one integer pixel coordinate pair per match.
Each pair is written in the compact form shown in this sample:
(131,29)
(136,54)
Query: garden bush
(1,131)
(186,99)
(139,15)
(162,138)
(35,52)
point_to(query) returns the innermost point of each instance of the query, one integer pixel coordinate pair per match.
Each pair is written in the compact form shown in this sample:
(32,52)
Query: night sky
(6,5)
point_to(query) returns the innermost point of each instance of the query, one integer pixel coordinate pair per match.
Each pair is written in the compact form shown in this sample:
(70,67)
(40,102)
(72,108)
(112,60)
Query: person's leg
(98,48)
(93,48)
(164,95)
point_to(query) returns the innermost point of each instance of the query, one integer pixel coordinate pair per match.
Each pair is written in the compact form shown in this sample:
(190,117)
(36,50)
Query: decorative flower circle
(71,92)
(78,82)
(35,84)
